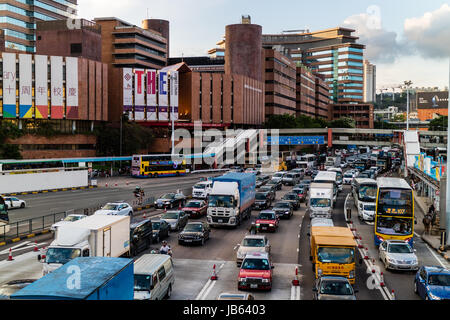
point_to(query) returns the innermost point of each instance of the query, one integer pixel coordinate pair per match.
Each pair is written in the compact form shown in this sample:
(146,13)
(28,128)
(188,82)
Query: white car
(13,202)
(398,255)
(116,209)
(250,244)
(70,218)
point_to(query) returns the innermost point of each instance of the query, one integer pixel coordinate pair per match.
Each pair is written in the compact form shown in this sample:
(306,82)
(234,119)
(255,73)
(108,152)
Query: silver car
(398,255)
(333,288)
(252,243)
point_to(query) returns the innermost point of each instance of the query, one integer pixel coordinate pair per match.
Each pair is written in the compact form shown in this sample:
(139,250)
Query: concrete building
(323,100)
(370,82)
(56,38)
(280,84)
(386,114)
(18,20)
(333,53)
(361,113)
(69,94)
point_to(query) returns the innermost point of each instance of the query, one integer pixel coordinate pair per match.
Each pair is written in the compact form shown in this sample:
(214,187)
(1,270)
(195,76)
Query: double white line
(208,286)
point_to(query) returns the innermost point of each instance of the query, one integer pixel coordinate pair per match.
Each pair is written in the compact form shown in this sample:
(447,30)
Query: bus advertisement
(394,212)
(154,166)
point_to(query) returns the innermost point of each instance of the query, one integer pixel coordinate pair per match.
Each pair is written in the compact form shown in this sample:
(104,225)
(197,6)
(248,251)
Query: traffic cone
(127,182)
(10,257)
(393,294)
(214,274)
(360,246)
(144,216)
(115,185)
(381,279)
(366,254)
(296,282)
(106,185)
(35,247)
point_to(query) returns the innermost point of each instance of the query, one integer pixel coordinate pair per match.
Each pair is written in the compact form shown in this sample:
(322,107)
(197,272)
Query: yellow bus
(333,252)
(154,166)
(394,211)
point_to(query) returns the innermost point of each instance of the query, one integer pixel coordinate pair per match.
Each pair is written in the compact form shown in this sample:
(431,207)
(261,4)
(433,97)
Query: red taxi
(195,208)
(267,220)
(256,272)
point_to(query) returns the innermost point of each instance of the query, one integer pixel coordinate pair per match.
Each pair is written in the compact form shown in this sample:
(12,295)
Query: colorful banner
(56,82)
(152,104)
(128,92)
(71,88)
(9,85)
(163,96)
(25,87)
(41,86)
(139,94)
(174,82)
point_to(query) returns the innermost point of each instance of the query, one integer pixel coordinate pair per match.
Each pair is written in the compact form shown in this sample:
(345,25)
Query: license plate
(187,240)
(253,286)
(264,228)
(220,220)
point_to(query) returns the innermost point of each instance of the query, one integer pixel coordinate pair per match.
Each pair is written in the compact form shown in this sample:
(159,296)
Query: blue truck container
(246,183)
(84,278)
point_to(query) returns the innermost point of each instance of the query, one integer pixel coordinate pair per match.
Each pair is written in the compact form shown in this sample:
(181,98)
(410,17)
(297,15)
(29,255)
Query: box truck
(84,278)
(231,199)
(320,202)
(93,236)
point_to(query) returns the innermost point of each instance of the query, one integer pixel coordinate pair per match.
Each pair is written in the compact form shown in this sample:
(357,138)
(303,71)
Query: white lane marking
(292,293)
(13,248)
(433,253)
(209,290)
(208,287)
(203,290)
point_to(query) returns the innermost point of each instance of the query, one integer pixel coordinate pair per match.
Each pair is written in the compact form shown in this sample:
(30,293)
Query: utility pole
(407,84)
(447,196)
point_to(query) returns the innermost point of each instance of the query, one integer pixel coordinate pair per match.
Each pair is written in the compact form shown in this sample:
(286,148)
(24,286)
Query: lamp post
(407,84)
(447,196)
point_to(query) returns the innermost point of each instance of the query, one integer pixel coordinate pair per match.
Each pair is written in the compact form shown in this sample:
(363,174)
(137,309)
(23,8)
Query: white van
(202,189)
(153,277)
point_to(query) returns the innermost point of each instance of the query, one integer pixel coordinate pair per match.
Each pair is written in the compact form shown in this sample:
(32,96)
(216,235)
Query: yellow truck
(333,252)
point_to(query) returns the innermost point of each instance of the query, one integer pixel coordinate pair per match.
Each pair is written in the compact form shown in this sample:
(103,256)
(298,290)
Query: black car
(194,232)
(262,200)
(271,189)
(141,236)
(170,200)
(305,183)
(284,209)
(277,183)
(262,180)
(293,198)
(160,230)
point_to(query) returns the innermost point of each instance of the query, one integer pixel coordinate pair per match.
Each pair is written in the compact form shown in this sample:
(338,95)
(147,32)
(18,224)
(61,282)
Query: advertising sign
(41,86)
(296,140)
(163,96)
(128,92)
(432,100)
(56,82)
(151,95)
(71,88)
(25,87)
(9,85)
(139,94)
(174,81)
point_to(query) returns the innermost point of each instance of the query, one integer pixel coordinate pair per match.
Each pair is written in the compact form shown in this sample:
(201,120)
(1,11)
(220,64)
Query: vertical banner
(163,96)
(174,95)
(9,85)
(25,87)
(71,88)
(139,94)
(56,82)
(151,95)
(128,92)
(41,86)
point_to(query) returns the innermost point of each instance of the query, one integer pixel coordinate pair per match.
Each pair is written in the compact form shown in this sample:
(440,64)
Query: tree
(383,125)
(9,131)
(438,124)
(285,121)
(399,117)
(343,122)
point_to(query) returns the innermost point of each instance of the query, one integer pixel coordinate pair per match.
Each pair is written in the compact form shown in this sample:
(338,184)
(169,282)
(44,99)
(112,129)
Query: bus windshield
(336,255)
(367,193)
(394,226)
(395,202)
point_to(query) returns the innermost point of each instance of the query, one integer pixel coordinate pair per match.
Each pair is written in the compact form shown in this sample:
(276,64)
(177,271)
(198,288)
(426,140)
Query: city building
(66,94)
(363,114)
(386,114)
(333,53)
(201,64)
(323,100)
(18,20)
(431,104)
(370,82)
(56,38)
(280,84)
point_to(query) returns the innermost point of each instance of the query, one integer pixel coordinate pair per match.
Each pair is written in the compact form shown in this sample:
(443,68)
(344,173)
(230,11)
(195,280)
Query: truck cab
(333,252)
(320,202)
(202,189)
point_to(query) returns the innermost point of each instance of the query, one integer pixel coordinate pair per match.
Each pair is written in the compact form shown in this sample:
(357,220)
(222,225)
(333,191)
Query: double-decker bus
(394,212)
(158,165)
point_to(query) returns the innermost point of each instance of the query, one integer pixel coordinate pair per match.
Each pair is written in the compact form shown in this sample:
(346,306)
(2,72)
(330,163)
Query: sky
(405,39)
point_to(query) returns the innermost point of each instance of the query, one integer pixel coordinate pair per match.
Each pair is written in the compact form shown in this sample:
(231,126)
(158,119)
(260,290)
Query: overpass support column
(330,137)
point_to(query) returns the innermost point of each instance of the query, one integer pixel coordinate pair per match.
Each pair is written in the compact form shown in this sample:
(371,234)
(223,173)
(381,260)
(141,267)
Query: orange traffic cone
(10,257)
(296,282)
(214,274)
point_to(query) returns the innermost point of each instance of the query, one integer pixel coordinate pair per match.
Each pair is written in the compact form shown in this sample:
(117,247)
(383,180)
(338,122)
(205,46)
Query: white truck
(231,199)
(202,189)
(332,162)
(320,202)
(93,236)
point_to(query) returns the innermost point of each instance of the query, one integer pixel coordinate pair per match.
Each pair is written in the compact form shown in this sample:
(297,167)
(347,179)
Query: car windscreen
(110,207)
(193,227)
(260,196)
(156,225)
(400,248)
(193,204)
(282,205)
(200,186)
(72,218)
(255,264)
(336,288)
(439,280)
(320,202)
(336,255)
(290,197)
(61,255)
(168,196)
(249,242)
(267,216)
(142,282)
(170,215)
(278,175)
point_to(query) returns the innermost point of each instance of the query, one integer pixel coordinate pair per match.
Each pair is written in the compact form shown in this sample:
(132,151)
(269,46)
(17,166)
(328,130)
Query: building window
(75,48)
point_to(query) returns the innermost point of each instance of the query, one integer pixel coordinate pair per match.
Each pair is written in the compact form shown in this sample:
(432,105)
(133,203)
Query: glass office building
(18,20)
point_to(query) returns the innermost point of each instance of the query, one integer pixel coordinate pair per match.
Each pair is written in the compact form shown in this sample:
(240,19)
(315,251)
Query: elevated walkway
(412,147)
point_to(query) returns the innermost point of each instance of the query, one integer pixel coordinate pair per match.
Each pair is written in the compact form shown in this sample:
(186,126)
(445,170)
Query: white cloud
(430,34)
(381,45)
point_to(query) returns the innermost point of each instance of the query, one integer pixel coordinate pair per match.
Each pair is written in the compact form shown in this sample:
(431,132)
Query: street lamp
(407,84)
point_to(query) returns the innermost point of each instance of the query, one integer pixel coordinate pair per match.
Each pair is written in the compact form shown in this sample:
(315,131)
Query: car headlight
(432,296)
(240,255)
(242,279)
(232,220)
(391,260)
(271,225)
(265,280)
